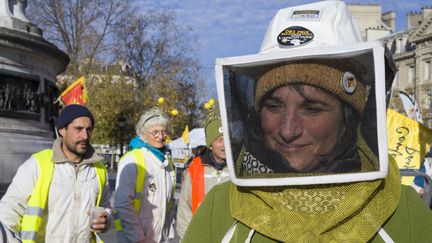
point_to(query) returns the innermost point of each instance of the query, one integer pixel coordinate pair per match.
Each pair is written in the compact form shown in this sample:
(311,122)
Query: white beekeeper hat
(324,34)
(327,23)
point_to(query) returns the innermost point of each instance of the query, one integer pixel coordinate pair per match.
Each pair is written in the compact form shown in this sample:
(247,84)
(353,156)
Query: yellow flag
(185,135)
(408,142)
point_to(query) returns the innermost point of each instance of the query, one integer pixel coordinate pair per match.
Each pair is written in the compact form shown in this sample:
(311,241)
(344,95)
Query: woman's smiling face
(301,126)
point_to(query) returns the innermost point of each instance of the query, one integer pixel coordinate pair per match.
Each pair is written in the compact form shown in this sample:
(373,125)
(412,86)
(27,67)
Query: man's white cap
(326,23)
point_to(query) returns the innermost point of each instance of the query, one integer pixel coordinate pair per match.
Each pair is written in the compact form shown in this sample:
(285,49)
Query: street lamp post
(121,123)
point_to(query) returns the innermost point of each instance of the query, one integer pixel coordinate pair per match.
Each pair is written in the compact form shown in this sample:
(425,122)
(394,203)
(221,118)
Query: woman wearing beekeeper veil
(306,140)
(306,119)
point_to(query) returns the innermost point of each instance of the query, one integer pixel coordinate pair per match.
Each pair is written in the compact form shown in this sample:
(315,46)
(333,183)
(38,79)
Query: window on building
(428,70)
(411,74)
(399,45)
(396,80)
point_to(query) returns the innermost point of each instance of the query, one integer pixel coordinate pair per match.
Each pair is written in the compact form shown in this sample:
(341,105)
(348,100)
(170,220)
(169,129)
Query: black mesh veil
(258,153)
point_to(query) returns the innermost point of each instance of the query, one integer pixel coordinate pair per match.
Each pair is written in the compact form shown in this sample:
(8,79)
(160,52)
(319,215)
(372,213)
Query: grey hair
(153,117)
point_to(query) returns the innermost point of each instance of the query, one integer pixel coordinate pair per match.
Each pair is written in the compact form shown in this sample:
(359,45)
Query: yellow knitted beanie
(343,85)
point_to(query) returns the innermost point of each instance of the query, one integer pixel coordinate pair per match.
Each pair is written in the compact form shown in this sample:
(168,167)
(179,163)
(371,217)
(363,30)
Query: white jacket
(73,191)
(154,223)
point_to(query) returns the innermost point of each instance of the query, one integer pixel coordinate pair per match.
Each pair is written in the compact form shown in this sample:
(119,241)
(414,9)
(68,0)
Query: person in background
(196,152)
(145,185)
(59,187)
(306,171)
(425,167)
(206,170)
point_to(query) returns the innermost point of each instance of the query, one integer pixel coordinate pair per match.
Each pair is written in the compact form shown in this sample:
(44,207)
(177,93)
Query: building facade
(411,50)
(372,23)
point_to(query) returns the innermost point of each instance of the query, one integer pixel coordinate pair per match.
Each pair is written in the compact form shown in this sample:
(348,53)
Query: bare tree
(161,57)
(82,28)
(153,44)
(158,52)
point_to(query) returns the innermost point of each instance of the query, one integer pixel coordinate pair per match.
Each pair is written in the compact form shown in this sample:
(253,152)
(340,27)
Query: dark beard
(74,150)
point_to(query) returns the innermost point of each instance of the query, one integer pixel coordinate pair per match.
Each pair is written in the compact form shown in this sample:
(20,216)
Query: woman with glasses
(145,184)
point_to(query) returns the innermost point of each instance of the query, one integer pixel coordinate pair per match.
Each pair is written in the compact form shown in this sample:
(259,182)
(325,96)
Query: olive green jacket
(411,222)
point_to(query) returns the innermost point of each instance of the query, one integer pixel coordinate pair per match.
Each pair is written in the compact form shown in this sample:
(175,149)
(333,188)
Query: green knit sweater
(411,222)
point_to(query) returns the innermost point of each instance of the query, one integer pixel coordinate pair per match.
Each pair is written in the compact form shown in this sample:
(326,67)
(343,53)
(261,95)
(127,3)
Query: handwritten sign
(408,142)
(402,149)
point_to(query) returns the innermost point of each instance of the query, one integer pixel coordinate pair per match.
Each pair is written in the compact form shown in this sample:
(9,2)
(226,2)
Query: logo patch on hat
(305,15)
(348,82)
(220,130)
(295,36)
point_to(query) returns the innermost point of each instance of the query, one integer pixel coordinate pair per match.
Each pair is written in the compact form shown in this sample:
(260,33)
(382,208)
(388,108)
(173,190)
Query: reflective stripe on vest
(141,172)
(196,173)
(101,176)
(32,219)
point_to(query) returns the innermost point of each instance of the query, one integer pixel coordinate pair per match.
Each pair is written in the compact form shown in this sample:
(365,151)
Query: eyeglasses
(158,133)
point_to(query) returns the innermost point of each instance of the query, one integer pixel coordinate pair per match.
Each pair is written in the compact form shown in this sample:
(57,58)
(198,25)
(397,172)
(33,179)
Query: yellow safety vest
(141,172)
(32,219)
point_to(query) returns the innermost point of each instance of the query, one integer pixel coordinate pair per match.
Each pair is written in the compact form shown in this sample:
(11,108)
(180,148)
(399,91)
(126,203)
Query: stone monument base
(15,148)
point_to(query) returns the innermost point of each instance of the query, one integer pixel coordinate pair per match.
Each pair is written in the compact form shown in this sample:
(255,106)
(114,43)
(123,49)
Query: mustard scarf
(350,212)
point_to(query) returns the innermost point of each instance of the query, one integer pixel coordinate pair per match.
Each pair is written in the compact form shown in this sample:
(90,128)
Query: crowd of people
(303,159)
(54,193)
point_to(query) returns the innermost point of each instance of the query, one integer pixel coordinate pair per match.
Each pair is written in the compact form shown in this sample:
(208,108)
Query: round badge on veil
(348,82)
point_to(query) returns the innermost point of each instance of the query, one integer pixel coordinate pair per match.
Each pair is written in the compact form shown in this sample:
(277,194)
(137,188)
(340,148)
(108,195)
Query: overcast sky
(226,28)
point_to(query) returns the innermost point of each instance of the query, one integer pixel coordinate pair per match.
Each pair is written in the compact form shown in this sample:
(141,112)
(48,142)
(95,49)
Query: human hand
(421,192)
(98,219)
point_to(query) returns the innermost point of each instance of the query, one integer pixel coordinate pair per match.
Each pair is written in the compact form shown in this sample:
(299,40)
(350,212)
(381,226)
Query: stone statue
(18,9)
(13,9)
(7,97)
(32,101)
(1,97)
